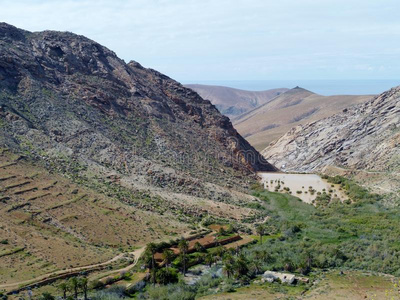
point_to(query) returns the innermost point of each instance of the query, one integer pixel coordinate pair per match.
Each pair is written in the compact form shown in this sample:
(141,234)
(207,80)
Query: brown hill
(297,106)
(234,102)
(363,139)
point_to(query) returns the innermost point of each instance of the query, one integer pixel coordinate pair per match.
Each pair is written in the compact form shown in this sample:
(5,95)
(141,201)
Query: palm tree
(168,257)
(219,252)
(228,269)
(255,266)
(198,247)
(266,256)
(162,276)
(83,284)
(260,229)
(228,258)
(209,259)
(241,266)
(257,255)
(151,249)
(73,283)
(183,246)
(63,287)
(229,262)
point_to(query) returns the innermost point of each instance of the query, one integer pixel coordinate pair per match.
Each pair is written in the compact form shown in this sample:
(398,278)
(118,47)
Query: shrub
(47,296)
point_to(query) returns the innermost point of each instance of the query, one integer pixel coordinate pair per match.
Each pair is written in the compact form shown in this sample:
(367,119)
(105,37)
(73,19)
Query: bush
(169,292)
(167,275)
(47,296)
(113,293)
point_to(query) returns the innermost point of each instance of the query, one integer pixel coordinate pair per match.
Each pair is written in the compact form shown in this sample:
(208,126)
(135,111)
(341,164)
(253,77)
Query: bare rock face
(65,97)
(362,137)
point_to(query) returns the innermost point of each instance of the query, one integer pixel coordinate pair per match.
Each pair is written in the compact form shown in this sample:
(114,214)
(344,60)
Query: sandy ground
(300,182)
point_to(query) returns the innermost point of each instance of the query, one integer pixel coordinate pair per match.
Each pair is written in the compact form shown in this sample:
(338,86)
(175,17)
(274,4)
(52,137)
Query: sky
(193,40)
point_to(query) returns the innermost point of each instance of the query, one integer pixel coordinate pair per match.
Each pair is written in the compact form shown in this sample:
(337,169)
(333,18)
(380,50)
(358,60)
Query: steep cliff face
(363,137)
(63,95)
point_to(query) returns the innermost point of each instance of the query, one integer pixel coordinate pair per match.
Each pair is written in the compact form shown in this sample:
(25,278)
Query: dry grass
(61,225)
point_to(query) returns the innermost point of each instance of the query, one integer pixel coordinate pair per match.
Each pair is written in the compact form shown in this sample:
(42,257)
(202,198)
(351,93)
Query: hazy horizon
(232,40)
(319,86)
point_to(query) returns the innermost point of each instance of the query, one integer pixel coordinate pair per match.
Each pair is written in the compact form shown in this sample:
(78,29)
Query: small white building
(271,276)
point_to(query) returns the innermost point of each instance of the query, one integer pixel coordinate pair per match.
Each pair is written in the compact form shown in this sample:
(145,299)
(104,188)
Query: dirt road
(70,272)
(50,277)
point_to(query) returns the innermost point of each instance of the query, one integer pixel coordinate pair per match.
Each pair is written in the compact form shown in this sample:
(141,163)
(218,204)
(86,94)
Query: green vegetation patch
(360,234)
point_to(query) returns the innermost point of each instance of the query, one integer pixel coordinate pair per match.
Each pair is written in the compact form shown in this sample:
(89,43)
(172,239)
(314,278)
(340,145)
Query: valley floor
(304,186)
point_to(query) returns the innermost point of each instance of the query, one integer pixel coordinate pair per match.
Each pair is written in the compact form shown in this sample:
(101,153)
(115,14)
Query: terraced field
(49,223)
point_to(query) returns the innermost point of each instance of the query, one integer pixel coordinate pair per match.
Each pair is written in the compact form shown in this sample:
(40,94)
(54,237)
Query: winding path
(42,279)
(50,277)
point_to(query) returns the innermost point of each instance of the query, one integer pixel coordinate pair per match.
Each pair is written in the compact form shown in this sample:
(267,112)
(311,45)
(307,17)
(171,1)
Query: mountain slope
(296,106)
(149,157)
(49,222)
(67,92)
(234,102)
(364,137)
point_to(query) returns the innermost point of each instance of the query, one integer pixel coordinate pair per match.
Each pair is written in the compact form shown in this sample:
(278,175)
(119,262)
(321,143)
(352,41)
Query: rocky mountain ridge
(363,137)
(65,95)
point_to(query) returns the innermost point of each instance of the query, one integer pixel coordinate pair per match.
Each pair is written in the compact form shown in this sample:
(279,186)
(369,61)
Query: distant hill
(268,122)
(234,102)
(363,140)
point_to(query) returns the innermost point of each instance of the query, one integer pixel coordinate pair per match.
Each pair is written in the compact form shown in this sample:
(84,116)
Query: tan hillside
(297,106)
(362,140)
(49,223)
(234,102)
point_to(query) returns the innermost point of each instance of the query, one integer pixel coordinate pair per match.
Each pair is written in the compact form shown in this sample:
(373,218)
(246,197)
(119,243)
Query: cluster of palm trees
(235,264)
(164,275)
(239,266)
(74,285)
